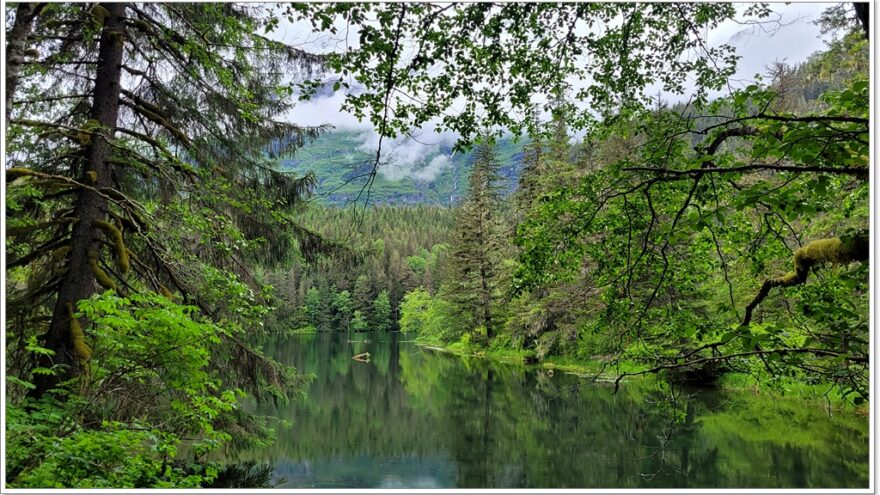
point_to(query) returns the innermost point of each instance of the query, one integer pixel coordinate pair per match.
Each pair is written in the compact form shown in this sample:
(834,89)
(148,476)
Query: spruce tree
(382,321)
(142,142)
(475,251)
(362,296)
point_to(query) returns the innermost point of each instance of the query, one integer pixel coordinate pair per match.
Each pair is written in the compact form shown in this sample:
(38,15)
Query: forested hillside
(429,173)
(693,240)
(190,273)
(391,250)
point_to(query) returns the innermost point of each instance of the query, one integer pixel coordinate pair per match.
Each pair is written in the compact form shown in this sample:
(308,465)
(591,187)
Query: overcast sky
(792,40)
(795,40)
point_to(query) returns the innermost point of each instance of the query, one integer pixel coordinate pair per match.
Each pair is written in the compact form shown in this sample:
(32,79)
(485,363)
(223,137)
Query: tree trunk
(79,281)
(487,300)
(16,44)
(863,12)
(485,293)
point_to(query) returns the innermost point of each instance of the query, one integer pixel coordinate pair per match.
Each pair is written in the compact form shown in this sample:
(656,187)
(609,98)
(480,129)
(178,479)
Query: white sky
(792,41)
(797,39)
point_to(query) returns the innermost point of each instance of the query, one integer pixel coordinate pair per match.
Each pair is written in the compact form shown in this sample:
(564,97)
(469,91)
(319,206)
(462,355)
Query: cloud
(793,40)
(421,159)
(433,169)
(421,156)
(326,110)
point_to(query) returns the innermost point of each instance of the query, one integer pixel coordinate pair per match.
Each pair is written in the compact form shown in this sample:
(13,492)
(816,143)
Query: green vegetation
(390,250)
(171,348)
(681,241)
(137,166)
(165,221)
(341,174)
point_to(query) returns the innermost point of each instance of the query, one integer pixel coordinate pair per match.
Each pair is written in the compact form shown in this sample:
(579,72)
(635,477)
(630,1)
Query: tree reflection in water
(415,418)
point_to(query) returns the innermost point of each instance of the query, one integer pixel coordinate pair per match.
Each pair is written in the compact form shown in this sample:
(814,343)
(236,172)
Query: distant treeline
(389,251)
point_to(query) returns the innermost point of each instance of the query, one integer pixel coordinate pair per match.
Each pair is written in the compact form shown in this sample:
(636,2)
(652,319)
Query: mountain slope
(411,173)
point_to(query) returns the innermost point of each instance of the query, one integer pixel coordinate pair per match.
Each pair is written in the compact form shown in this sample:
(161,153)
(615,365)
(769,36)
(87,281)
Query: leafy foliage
(685,238)
(496,58)
(88,434)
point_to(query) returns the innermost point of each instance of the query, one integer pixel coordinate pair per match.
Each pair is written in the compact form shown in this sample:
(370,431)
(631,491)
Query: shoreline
(728,383)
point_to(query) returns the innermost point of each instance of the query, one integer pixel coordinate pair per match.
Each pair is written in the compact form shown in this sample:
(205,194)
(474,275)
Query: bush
(432,317)
(86,434)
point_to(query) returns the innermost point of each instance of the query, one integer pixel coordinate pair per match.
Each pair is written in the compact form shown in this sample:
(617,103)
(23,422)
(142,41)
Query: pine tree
(527,190)
(548,162)
(382,313)
(312,305)
(343,311)
(143,130)
(476,247)
(362,296)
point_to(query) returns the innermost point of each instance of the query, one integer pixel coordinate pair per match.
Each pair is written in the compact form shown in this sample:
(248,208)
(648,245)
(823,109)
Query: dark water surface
(415,418)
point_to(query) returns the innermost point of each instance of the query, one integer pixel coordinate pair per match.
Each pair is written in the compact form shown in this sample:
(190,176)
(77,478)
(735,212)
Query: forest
(624,245)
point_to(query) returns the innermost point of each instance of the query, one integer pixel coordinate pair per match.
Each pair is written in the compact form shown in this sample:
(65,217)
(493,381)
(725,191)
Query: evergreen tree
(546,160)
(476,247)
(143,129)
(528,186)
(313,304)
(382,321)
(142,148)
(362,295)
(342,307)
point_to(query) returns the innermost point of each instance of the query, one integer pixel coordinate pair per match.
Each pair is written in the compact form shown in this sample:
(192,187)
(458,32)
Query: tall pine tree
(475,251)
(137,162)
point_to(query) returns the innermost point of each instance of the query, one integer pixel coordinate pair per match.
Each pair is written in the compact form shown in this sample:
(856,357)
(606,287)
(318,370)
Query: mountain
(411,172)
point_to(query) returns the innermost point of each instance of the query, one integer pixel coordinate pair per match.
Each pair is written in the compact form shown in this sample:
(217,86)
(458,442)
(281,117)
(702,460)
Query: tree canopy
(472,67)
(148,215)
(142,189)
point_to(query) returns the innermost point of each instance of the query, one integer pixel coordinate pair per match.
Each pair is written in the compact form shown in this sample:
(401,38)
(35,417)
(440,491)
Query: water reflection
(414,418)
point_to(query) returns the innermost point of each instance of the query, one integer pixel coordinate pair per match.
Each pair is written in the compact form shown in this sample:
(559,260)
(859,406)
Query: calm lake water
(416,418)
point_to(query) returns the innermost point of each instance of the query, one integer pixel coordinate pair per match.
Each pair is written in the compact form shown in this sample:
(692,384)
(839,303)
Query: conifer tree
(137,163)
(532,154)
(475,249)
(361,296)
(343,311)
(382,313)
(549,150)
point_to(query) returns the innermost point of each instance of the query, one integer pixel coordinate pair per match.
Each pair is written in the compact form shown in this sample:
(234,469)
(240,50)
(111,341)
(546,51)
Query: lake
(416,418)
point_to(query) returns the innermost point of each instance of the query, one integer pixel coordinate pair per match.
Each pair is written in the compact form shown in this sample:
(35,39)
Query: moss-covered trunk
(91,205)
(836,250)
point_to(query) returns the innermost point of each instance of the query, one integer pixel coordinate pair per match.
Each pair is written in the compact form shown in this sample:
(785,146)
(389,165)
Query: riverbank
(597,369)
(821,395)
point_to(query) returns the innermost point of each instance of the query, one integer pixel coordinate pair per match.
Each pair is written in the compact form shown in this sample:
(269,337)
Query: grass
(788,388)
(302,330)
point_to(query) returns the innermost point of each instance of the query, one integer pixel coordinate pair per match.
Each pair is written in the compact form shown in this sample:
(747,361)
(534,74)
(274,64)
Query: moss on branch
(122,260)
(835,250)
(101,276)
